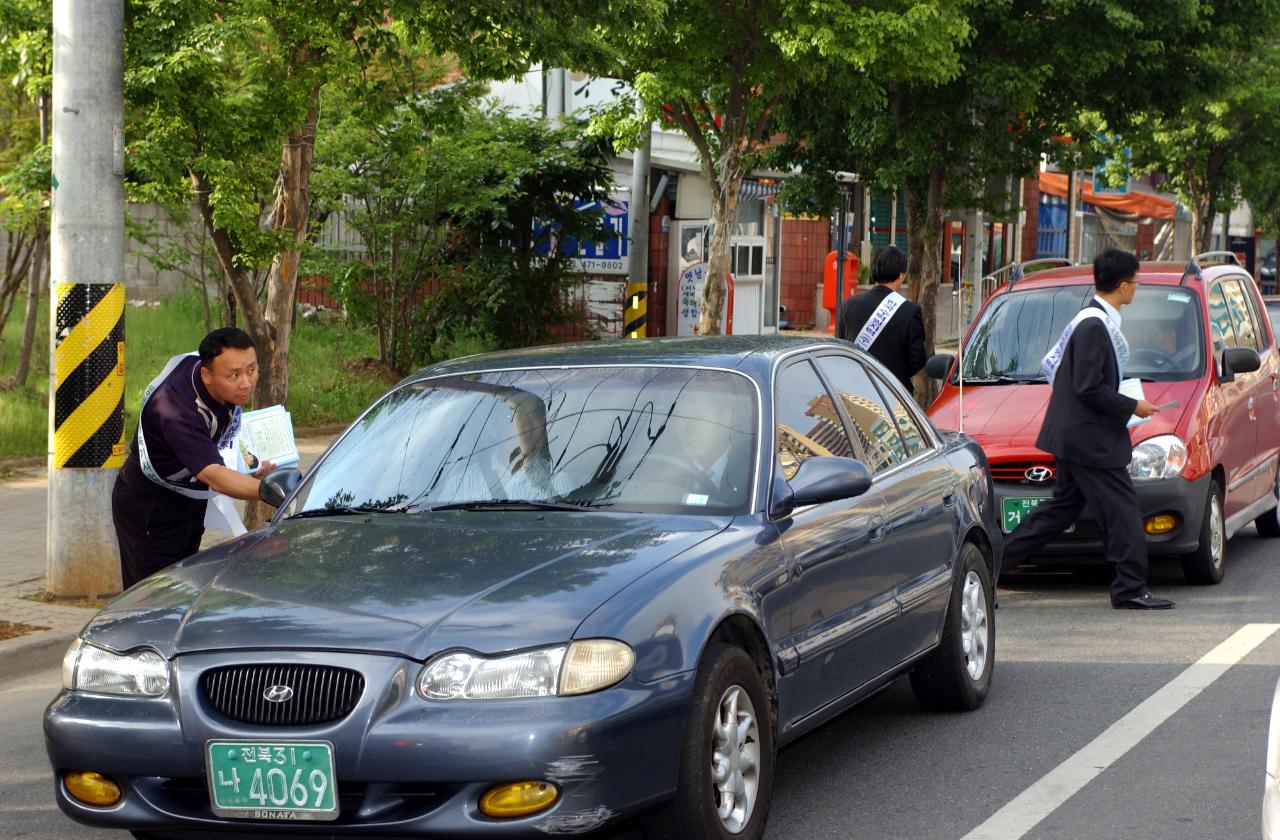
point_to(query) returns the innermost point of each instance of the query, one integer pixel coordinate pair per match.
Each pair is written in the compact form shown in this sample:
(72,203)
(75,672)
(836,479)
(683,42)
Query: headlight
(577,668)
(1163,456)
(87,667)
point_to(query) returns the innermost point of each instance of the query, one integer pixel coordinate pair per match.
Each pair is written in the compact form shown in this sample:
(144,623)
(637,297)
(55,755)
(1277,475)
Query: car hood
(403,584)
(1005,419)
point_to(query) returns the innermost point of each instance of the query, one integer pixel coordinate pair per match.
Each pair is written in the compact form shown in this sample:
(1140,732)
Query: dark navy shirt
(184,426)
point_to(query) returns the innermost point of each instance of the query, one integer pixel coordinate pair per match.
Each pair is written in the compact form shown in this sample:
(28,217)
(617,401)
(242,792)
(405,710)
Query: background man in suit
(1085,427)
(884,323)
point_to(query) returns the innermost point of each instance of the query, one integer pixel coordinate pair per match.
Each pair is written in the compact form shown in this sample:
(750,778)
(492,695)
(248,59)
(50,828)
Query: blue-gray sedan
(544,592)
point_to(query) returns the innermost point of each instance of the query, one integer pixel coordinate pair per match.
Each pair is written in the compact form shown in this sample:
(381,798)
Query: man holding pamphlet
(1086,428)
(190,412)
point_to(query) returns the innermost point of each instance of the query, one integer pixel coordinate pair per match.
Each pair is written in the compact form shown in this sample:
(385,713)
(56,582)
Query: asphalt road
(1100,725)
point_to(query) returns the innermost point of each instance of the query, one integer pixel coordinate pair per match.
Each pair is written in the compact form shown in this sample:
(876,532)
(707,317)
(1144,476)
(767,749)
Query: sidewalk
(23,518)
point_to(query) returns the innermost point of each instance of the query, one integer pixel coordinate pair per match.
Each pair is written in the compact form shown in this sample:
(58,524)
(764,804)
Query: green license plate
(1016,509)
(272,780)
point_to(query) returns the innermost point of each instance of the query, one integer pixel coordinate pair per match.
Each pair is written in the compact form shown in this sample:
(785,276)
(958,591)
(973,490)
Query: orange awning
(1137,203)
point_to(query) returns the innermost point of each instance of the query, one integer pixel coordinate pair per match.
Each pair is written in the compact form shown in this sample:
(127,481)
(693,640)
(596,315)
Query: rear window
(1163,326)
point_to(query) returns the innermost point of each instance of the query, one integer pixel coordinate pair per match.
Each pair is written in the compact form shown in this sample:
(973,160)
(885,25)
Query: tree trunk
(724,212)
(35,286)
(290,212)
(925,245)
(17,263)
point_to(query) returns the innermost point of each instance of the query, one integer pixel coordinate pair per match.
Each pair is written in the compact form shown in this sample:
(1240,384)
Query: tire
(1206,564)
(957,675)
(1268,524)
(726,678)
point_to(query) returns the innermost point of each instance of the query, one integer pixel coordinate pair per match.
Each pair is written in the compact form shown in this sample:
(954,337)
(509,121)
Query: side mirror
(939,366)
(276,486)
(1239,360)
(824,479)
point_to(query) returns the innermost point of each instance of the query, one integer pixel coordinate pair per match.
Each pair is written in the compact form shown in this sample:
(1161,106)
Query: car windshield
(1163,326)
(648,439)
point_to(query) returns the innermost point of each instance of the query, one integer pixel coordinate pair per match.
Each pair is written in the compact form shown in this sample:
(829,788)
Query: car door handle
(878,529)
(950,498)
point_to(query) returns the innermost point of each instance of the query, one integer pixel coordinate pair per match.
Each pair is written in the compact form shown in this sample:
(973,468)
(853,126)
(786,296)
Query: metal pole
(636,314)
(86,388)
(841,245)
(1073,228)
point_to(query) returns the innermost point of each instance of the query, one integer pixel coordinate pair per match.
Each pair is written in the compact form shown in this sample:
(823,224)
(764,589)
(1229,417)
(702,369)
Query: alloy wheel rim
(1215,531)
(974,634)
(735,758)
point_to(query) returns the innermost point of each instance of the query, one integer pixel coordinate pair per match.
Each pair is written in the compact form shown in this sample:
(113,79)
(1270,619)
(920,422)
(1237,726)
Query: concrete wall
(143,281)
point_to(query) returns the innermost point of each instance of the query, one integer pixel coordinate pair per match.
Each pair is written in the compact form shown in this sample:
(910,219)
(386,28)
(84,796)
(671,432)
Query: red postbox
(829,301)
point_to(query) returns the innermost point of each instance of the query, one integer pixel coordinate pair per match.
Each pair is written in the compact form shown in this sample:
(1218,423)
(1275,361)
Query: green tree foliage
(716,69)
(1026,74)
(224,101)
(1218,144)
(457,208)
(26,58)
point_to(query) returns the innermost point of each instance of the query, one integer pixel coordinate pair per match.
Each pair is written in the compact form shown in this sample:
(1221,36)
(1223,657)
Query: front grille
(1016,472)
(320,693)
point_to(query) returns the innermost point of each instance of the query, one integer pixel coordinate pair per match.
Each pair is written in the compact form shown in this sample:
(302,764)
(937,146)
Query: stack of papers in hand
(266,434)
(1132,388)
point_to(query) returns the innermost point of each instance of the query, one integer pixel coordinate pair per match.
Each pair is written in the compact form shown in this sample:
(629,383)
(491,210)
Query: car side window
(808,424)
(1220,319)
(876,426)
(1243,317)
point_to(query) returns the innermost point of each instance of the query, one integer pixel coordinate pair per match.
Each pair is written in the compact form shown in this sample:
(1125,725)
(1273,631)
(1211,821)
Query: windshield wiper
(511,504)
(344,510)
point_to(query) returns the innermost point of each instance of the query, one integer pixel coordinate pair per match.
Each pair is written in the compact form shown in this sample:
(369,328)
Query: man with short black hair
(1086,429)
(884,323)
(189,412)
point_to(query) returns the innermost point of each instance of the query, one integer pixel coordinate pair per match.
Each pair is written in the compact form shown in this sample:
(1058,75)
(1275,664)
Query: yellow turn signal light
(1161,523)
(518,799)
(92,788)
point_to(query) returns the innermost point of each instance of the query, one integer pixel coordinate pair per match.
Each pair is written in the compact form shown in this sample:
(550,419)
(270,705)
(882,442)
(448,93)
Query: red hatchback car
(1199,338)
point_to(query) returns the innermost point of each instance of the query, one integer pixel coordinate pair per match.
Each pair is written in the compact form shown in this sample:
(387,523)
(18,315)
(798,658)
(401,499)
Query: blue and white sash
(1119,345)
(876,323)
(221,513)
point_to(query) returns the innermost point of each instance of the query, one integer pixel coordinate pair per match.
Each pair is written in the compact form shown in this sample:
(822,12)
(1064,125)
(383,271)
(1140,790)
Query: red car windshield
(1163,325)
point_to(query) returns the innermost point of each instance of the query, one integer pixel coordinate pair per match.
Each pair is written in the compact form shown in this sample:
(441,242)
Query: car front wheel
(726,759)
(1205,565)
(957,675)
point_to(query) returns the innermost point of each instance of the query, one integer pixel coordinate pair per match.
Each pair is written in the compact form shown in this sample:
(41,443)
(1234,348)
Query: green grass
(321,390)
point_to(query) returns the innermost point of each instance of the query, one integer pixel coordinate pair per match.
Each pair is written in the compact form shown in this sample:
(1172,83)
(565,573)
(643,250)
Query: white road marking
(1035,803)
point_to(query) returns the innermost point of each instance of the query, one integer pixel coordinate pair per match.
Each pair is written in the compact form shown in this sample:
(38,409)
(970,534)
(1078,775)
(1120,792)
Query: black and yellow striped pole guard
(88,375)
(635,313)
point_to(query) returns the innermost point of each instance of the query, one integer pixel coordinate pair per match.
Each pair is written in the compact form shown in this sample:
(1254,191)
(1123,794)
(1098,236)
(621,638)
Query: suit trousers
(155,527)
(1114,504)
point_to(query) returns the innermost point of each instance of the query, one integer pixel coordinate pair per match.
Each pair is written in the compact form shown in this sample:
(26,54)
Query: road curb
(33,652)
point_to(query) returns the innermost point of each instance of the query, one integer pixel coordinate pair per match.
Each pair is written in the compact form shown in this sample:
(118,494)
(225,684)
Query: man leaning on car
(1086,429)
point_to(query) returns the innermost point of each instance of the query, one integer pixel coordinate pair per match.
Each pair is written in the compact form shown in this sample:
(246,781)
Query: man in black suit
(883,322)
(1086,429)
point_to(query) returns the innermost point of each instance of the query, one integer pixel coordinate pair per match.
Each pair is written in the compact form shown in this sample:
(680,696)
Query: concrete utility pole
(635,315)
(86,388)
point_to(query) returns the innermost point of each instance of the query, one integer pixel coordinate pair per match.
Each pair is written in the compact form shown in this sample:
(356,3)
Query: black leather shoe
(1145,601)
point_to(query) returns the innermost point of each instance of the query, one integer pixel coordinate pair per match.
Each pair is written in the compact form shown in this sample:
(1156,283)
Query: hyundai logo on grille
(277,694)
(1039,474)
